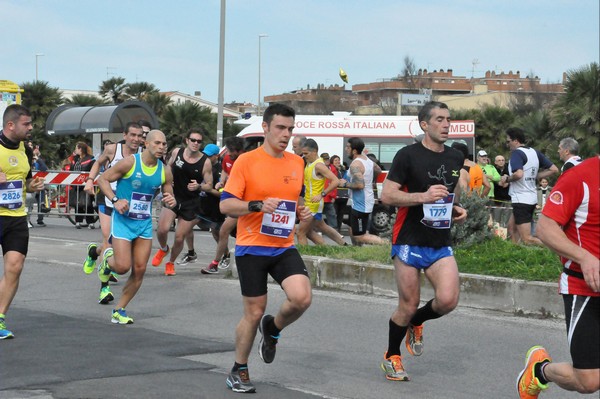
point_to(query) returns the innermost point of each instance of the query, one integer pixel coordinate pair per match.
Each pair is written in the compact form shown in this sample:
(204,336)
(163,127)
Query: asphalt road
(182,342)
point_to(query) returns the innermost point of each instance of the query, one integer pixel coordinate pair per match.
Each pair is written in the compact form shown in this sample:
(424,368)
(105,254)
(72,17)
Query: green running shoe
(104,269)
(105,295)
(89,263)
(119,316)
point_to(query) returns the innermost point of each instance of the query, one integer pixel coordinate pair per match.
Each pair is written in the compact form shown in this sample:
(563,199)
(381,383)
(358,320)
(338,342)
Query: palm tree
(114,89)
(577,112)
(140,90)
(86,100)
(41,99)
(158,102)
(179,118)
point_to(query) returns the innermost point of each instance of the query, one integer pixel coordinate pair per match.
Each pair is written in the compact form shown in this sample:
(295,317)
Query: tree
(140,90)
(86,100)
(577,112)
(158,102)
(41,99)
(178,119)
(113,89)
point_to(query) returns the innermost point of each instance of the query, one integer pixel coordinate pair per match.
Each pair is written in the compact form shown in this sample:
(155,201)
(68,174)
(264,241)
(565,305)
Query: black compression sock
(425,313)
(237,366)
(539,372)
(272,328)
(92,253)
(396,335)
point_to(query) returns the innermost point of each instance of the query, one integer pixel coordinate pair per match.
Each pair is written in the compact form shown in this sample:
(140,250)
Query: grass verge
(495,257)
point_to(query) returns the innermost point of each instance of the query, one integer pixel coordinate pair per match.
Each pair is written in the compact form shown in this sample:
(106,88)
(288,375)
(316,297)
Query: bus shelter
(101,120)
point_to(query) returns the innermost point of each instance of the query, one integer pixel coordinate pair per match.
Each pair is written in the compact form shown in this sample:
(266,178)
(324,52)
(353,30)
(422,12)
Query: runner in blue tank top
(138,177)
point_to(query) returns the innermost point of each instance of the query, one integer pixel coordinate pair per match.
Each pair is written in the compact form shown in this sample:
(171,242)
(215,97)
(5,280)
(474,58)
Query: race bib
(11,194)
(140,206)
(439,214)
(281,222)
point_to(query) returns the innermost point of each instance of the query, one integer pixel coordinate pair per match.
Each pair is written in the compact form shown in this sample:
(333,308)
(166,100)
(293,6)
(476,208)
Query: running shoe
(225,261)
(170,269)
(239,381)
(105,295)
(187,258)
(528,385)
(90,263)
(119,316)
(104,269)
(4,333)
(113,277)
(212,268)
(393,368)
(159,256)
(414,340)
(267,346)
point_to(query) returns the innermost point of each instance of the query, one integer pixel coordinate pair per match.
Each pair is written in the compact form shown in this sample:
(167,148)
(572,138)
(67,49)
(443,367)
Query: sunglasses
(195,140)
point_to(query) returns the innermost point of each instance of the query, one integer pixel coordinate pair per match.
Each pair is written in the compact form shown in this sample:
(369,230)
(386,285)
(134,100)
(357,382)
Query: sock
(102,285)
(165,249)
(423,314)
(538,371)
(92,253)
(272,328)
(227,255)
(214,263)
(237,366)
(191,252)
(396,335)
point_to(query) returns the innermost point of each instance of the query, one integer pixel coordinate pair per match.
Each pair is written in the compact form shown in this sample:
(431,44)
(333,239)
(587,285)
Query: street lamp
(258,105)
(36,64)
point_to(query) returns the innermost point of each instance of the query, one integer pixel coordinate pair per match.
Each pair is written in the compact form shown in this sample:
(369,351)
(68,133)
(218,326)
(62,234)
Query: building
(319,100)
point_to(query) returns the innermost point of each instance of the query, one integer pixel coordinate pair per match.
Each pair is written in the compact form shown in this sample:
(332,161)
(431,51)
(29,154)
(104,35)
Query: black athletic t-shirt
(183,174)
(417,168)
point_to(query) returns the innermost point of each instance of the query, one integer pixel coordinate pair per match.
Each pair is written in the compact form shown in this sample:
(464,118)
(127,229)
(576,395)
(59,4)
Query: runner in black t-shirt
(423,184)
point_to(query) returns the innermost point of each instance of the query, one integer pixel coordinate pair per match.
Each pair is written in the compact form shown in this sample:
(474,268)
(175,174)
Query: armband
(90,178)
(255,206)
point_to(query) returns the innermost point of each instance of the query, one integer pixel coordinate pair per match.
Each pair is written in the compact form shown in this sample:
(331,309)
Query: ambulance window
(372,148)
(389,150)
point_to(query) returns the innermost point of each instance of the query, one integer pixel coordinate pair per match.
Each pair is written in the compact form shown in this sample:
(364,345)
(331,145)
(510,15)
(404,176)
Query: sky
(175,44)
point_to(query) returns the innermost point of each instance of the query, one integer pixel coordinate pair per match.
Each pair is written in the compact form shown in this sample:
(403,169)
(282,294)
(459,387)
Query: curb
(519,297)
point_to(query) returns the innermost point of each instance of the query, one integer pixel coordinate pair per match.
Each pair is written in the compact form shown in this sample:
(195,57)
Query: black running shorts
(523,213)
(359,222)
(253,270)
(14,234)
(582,315)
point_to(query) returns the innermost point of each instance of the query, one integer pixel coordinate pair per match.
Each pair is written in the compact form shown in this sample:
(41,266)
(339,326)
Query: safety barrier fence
(63,197)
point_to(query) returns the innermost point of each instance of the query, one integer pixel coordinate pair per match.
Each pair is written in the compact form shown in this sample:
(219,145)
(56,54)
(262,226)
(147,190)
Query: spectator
(78,198)
(39,164)
(329,200)
(568,148)
(489,171)
(478,183)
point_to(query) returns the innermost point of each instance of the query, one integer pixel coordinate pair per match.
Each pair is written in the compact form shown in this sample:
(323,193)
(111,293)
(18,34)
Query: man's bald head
(155,134)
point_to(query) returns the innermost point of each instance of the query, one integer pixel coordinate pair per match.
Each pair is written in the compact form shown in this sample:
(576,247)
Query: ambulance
(383,136)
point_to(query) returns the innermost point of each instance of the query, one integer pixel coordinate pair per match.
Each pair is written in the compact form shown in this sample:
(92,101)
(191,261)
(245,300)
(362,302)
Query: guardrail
(63,197)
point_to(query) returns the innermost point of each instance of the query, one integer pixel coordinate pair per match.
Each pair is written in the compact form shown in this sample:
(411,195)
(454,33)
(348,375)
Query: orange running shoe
(393,368)
(528,385)
(414,340)
(170,269)
(159,256)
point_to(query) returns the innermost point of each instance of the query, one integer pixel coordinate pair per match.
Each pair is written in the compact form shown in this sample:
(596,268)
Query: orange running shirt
(256,176)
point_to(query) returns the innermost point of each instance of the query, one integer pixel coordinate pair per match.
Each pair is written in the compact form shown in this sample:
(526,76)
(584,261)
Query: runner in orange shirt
(266,211)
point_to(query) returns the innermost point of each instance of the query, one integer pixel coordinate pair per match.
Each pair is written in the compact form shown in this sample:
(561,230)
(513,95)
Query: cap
(211,149)
(325,155)
(482,153)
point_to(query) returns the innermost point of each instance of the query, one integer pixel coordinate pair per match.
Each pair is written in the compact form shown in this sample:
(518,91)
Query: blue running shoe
(4,333)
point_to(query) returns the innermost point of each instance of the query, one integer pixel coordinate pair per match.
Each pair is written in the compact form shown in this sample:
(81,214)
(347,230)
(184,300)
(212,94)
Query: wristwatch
(255,206)
(323,194)
(114,199)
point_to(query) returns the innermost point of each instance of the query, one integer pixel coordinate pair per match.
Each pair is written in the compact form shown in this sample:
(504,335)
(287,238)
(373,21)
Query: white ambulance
(383,137)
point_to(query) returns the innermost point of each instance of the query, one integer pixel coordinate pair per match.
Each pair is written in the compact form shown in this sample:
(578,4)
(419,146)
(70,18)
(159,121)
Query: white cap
(482,153)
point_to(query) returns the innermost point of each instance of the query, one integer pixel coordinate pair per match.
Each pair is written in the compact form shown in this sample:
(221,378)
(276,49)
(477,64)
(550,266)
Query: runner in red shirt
(570,226)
